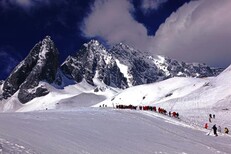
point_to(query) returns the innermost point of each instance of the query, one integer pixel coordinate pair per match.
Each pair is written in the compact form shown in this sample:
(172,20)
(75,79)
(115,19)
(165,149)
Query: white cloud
(148,5)
(199,31)
(113,21)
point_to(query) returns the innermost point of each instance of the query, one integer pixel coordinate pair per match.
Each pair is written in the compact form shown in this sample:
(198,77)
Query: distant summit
(91,62)
(120,67)
(123,66)
(40,65)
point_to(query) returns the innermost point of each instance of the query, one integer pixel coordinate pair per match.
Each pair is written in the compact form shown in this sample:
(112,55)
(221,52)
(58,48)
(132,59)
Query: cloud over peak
(199,31)
(113,21)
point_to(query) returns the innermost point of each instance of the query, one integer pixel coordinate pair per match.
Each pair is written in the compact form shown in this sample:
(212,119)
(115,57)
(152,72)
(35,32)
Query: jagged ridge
(93,61)
(123,66)
(40,65)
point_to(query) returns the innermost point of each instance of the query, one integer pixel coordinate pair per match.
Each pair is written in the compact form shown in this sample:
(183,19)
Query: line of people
(149,108)
(171,114)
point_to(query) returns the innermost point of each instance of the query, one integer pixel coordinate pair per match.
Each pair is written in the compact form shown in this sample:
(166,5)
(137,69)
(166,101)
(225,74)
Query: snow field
(105,130)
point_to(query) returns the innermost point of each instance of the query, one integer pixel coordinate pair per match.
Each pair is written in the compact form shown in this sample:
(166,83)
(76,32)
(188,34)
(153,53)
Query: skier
(177,115)
(210,115)
(226,130)
(154,108)
(215,130)
(219,129)
(213,116)
(206,125)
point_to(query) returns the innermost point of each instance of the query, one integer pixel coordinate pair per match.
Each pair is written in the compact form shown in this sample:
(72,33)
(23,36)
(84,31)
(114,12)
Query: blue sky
(182,29)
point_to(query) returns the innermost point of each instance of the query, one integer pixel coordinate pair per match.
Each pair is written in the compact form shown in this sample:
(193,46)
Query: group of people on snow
(214,127)
(149,108)
(103,105)
(171,114)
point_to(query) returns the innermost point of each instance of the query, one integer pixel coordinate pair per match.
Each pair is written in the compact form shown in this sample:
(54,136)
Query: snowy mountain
(122,66)
(103,69)
(40,65)
(69,117)
(93,62)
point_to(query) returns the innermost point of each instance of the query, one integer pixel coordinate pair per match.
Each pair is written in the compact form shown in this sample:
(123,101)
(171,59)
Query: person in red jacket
(174,114)
(206,125)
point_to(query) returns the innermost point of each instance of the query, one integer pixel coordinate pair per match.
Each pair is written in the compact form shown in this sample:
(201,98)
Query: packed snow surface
(66,122)
(104,130)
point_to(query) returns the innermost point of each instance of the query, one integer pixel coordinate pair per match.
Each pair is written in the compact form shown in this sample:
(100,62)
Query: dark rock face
(140,70)
(40,65)
(94,61)
(144,68)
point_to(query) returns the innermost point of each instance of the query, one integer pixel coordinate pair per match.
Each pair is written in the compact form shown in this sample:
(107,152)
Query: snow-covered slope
(149,94)
(104,131)
(180,91)
(71,96)
(191,97)
(70,125)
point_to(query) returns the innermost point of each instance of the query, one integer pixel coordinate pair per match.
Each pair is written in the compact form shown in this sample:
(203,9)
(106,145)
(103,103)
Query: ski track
(7,147)
(124,131)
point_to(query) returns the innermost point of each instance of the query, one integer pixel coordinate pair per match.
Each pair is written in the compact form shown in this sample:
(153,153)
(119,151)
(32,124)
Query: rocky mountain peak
(47,39)
(126,64)
(92,43)
(124,46)
(124,51)
(48,44)
(93,47)
(93,61)
(40,65)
